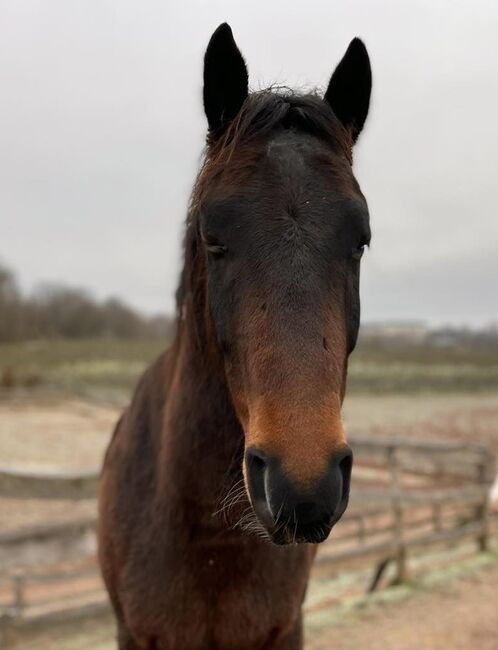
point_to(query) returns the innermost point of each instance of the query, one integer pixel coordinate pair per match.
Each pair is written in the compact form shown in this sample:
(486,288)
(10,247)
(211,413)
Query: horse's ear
(349,88)
(225,79)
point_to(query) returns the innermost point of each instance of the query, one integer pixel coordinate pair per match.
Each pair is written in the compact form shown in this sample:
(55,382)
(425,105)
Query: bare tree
(57,311)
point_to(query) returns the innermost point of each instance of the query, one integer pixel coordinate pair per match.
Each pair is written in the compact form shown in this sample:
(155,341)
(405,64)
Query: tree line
(58,311)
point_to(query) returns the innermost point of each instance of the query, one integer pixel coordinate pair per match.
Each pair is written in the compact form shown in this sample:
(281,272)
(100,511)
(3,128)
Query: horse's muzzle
(293,514)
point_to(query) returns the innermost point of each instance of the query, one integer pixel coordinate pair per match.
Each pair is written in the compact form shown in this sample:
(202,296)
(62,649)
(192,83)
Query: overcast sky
(101,130)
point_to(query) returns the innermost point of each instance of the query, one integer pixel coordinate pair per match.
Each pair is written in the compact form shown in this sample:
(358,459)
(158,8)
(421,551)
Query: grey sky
(101,131)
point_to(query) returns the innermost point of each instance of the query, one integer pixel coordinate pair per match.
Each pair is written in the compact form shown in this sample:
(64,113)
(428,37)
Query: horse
(230,465)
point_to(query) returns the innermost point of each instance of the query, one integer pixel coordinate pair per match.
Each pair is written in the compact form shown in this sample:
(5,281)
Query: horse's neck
(202,440)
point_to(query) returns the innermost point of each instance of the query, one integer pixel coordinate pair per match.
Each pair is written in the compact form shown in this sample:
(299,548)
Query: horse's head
(281,225)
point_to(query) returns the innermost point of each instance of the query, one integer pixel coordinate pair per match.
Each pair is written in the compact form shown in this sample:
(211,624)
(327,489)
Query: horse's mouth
(293,531)
(301,534)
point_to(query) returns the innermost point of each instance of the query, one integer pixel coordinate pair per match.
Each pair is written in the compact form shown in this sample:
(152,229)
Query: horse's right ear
(225,80)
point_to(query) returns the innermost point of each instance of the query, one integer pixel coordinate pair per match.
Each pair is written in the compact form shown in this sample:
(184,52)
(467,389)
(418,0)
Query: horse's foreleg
(293,640)
(125,640)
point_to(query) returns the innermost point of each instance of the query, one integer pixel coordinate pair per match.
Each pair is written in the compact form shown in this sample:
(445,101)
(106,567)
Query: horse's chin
(300,535)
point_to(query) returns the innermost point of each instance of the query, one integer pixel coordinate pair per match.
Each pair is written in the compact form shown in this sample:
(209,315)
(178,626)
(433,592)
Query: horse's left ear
(349,88)
(225,80)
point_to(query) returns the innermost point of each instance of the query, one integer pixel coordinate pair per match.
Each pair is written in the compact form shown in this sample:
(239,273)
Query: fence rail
(414,518)
(416,494)
(22,484)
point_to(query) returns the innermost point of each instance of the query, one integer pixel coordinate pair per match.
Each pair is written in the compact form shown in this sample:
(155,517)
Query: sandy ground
(473,418)
(459,615)
(54,434)
(51,435)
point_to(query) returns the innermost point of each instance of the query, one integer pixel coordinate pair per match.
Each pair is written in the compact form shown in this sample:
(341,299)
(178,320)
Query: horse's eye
(214,248)
(358,253)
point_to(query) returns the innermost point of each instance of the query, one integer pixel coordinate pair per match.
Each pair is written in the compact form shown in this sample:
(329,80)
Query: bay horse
(230,465)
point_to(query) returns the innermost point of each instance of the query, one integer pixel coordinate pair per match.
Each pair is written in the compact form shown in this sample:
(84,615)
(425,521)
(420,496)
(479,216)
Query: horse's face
(283,227)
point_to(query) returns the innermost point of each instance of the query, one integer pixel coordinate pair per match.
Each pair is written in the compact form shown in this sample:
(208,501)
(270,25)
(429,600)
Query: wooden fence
(19,484)
(424,494)
(406,496)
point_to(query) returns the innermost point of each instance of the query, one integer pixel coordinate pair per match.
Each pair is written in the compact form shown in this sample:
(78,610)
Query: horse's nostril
(346,465)
(256,468)
(255,459)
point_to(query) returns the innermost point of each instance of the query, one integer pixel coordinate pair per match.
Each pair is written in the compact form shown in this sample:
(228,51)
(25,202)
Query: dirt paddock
(456,614)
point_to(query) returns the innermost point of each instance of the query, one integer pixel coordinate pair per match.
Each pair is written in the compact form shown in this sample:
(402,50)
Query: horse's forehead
(289,168)
(299,160)
(288,149)
(290,152)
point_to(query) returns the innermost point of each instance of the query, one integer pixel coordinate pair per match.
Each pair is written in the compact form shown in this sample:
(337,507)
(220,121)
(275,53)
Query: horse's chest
(222,601)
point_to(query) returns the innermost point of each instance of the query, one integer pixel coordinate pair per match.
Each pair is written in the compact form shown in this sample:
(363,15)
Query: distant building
(403,331)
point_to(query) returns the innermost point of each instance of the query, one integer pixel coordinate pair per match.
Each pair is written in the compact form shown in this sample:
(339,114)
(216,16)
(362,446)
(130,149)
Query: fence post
(437,517)
(397,509)
(18,586)
(361,529)
(482,509)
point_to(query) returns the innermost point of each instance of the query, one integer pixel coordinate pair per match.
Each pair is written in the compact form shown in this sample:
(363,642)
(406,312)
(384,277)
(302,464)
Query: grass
(401,368)
(76,366)
(86,366)
(402,376)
